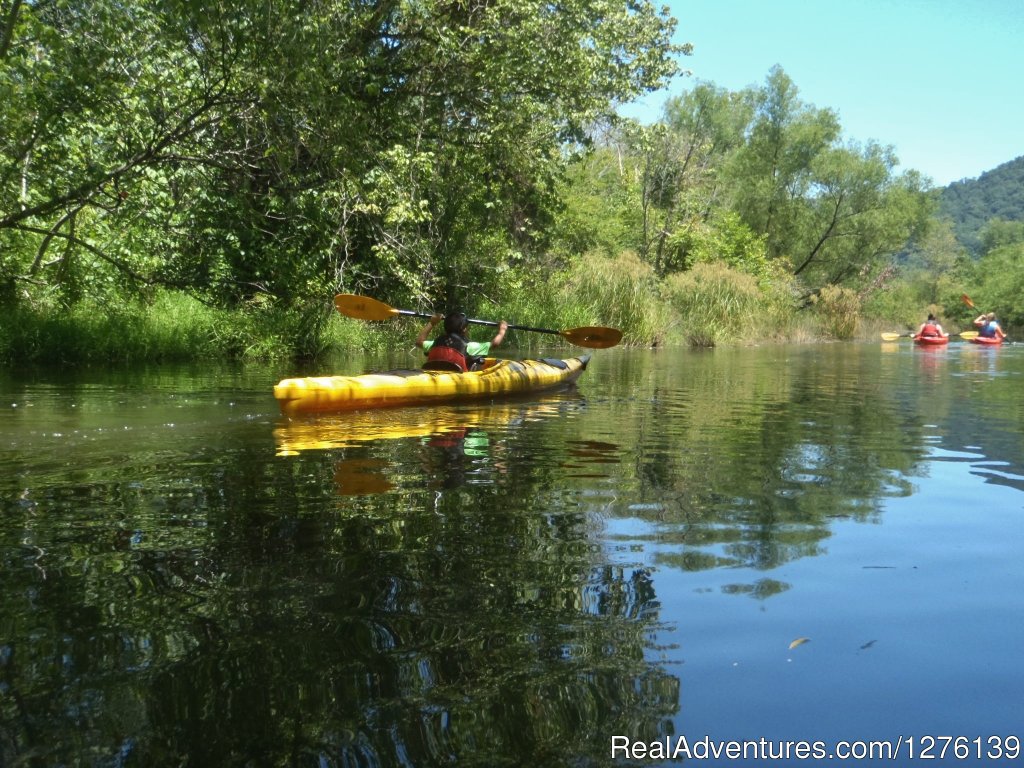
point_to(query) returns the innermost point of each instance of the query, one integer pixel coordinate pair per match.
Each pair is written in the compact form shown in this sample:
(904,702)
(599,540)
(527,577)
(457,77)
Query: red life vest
(930,330)
(451,349)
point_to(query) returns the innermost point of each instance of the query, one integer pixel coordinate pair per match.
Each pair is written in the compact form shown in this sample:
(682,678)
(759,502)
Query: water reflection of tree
(749,466)
(448,631)
(244,612)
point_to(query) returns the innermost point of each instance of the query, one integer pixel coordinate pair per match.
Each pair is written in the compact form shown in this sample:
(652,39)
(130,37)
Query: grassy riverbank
(706,306)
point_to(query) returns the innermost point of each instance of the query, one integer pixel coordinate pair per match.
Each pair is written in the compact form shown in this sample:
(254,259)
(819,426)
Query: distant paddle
(967,300)
(366,308)
(893,336)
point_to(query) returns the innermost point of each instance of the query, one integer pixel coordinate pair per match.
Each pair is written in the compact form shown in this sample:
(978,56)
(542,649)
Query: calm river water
(789,544)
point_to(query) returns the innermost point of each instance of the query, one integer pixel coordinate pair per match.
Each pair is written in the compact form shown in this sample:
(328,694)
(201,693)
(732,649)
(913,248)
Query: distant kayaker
(988,327)
(454,346)
(931,328)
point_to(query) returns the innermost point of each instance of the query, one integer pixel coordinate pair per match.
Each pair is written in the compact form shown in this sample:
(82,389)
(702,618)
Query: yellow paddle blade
(594,337)
(363,307)
(969,335)
(892,336)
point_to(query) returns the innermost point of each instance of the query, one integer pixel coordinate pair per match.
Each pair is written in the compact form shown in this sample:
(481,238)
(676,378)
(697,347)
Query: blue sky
(942,81)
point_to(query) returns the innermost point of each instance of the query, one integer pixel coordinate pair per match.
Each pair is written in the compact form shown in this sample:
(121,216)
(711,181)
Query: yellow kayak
(326,394)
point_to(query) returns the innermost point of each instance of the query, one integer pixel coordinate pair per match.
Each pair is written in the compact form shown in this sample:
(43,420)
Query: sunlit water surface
(797,544)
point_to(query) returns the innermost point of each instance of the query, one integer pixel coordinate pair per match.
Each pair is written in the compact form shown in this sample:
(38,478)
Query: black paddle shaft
(492,323)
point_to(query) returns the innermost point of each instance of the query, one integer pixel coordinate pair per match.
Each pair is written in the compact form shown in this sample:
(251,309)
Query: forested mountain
(971,203)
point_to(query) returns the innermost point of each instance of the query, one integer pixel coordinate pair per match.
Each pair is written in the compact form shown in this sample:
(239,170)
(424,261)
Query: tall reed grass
(623,293)
(345,333)
(620,292)
(714,303)
(170,327)
(838,311)
(708,305)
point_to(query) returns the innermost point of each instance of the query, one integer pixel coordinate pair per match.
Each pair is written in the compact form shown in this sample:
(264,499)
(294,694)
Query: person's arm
(999,332)
(981,319)
(942,333)
(500,335)
(427,329)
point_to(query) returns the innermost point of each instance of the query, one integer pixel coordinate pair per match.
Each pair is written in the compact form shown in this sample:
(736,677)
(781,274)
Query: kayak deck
(325,394)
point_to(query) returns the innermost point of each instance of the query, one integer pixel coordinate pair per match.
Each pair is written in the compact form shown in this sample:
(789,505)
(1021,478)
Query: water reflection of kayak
(354,428)
(326,394)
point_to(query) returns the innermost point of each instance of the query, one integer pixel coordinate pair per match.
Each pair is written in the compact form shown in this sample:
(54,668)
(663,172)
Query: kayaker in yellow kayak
(454,346)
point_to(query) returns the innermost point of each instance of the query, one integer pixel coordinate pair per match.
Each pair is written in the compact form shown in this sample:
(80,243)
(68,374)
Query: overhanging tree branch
(189,125)
(45,244)
(120,265)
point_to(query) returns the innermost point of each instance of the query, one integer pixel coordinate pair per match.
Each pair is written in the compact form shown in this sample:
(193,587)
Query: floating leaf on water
(799,641)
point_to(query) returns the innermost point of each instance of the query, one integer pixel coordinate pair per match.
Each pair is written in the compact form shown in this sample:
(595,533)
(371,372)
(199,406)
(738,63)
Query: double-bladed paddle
(365,308)
(967,300)
(891,336)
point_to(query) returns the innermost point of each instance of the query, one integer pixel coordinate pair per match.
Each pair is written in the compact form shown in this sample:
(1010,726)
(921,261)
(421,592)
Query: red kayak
(991,341)
(931,341)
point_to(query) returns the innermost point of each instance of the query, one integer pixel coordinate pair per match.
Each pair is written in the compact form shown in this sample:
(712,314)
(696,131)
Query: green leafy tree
(89,122)
(770,176)
(856,216)
(997,278)
(931,267)
(600,214)
(834,214)
(275,151)
(725,238)
(999,232)
(681,159)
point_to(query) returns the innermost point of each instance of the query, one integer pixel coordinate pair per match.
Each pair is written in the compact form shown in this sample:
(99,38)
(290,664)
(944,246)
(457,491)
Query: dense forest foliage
(972,203)
(196,178)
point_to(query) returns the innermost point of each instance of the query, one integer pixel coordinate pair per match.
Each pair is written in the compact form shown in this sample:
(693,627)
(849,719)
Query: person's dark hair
(455,322)
(931,317)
